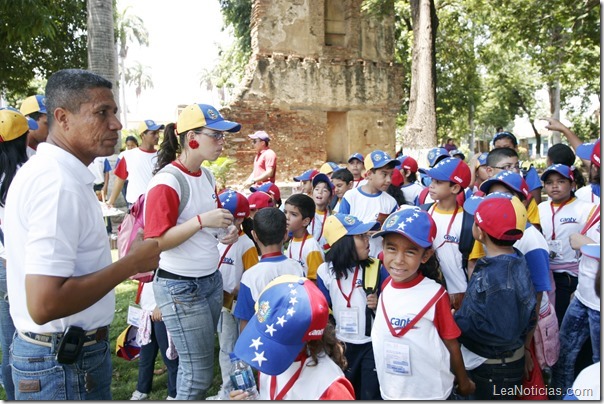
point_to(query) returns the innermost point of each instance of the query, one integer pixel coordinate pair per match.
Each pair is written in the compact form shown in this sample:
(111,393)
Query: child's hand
(156,314)
(372,301)
(238,395)
(466,387)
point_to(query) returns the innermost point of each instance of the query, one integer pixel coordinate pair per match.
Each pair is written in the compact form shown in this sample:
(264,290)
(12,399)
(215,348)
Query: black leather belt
(169,275)
(91,338)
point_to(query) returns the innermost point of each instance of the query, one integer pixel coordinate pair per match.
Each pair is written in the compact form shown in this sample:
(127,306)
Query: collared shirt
(54,227)
(264,161)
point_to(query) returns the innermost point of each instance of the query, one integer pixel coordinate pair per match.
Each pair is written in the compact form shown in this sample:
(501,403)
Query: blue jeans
(38,375)
(7,330)
(190,310)
(492,381)
(146,364)
(579,322)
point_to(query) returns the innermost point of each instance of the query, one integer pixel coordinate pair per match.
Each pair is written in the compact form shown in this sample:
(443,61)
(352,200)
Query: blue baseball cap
(471,204)
(235,202)
(328,167)
(415,224)
(379,159)
(204,116)
(339,225)
(450,169)
(561,169)
(357,156)
(35,103)
(306,175)
(436,154)
(322,178)
(510,179)
(501,135)
(481,160)
(590,151)
(148,124)
(457,152)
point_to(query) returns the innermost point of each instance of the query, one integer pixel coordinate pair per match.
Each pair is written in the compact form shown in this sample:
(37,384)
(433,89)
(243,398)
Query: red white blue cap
(511,180)
(269,188)
(259,200)
(501,217)
(397,178)
(306,175)
(591,250)
(408,163)
(450,169)
(339,225)
(590,151)
(379,159)
(35,103)
(203,116)
(235,202)
(415,224)
(289,312)
(561,169)
(13,124)
(357,156)
(435,154)
(471,204)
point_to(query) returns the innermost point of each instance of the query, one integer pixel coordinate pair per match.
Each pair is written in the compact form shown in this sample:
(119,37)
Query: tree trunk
(101,43)
(419,132)
(554,105)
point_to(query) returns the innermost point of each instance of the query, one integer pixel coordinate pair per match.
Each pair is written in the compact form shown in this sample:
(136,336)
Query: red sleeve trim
(121,170)
(443,319)
(341,389)
(161,210)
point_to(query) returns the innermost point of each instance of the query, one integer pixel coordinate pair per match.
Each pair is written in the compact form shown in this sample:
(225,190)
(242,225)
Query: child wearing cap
(480,174)
(590,153)
(506,159)
(303,247)
(582,318)
(414,336)
(305,180)
(410,186)
(322,193)
(234,260)
(562,215)
(449,178)
(369,202)
(498,310)
(342,181)
(356,167)
(271,189)
(291,343)
(269,233)
(34,109)
(344,279)
(328,168)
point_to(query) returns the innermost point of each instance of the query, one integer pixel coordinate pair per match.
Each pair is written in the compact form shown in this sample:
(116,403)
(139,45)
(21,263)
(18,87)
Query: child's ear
(428,252)
(306,221)
(255,237)
(456,189)
(490,171)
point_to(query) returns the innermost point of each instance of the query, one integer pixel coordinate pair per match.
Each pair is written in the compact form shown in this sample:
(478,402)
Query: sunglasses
(213,134)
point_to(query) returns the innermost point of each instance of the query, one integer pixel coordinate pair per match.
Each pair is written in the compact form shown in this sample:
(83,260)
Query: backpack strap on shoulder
(466,240)
(182,182)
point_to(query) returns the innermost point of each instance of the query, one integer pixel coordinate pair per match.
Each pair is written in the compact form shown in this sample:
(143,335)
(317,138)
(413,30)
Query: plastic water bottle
(242,377)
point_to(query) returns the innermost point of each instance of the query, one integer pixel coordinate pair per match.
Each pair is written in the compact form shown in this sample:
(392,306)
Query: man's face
(258,144)
(92,131)
(151,137)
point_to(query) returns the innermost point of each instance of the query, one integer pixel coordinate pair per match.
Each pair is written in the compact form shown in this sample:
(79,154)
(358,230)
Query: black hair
(411,178)
(68,89)
(343,174)
(397,194)
(343,256)
(388,166)
(12,155)
(170,146)
(431,269)
(563,154)
(328,345)
(131,139)
(503,243)
(304,203)
(496,155)
(270,226)
(501,135)
(439,158)
(247,226)
(594,174)
(36,115)
(512,191)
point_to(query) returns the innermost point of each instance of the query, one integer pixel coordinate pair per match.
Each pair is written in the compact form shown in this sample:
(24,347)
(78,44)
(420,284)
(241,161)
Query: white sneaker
(137,395)
(170,398)
(216,397)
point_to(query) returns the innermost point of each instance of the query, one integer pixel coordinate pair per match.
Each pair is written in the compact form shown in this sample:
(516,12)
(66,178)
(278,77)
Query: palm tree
(137,75)
(130,28)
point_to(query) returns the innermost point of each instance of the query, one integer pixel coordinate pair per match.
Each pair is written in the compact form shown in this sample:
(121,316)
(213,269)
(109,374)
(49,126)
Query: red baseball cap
(259,200)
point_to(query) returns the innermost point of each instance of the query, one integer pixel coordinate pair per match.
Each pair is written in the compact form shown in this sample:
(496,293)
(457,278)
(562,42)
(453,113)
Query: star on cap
(401,226)
(415,215)
(281,320)
(290,311)
(409,219)
(293,301)
(293,292)
(256,343)
(270,329)
(259,357)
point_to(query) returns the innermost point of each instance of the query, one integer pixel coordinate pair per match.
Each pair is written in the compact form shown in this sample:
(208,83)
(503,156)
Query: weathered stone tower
(321,81)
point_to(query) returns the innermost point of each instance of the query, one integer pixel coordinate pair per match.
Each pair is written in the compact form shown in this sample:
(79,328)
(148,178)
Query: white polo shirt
(54,227)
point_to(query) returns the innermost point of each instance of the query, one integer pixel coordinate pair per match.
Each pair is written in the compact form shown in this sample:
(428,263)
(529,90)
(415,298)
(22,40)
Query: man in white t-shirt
(137,165)
(61,278)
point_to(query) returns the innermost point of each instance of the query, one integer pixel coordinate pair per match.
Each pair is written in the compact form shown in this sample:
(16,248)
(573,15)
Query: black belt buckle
(70,345)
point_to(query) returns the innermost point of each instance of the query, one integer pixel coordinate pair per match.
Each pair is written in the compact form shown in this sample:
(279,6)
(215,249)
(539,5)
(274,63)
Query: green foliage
(39,37)
(220,168)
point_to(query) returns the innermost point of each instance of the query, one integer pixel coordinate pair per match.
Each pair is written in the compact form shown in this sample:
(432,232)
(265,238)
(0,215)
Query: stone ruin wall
(317,102)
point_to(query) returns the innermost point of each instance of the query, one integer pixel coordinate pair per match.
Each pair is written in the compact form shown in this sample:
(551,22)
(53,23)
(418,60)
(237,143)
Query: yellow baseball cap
(203,115)
(12,124)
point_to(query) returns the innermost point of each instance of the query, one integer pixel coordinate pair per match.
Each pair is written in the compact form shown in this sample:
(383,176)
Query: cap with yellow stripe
(13,124)
(204,116)
(35,103)
(378,159)
(339,225)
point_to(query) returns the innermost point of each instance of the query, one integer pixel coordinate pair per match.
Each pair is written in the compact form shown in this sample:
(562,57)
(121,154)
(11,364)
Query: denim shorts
(38,376)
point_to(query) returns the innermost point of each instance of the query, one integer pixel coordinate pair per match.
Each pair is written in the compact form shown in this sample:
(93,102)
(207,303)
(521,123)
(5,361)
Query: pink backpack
(135,220)
(547,340)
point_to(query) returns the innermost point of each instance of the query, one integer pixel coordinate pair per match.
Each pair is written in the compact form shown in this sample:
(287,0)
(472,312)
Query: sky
(184,38)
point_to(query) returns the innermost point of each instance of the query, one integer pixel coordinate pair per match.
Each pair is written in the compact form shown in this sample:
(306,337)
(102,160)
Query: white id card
(348,320)
(398,361)
(555,246)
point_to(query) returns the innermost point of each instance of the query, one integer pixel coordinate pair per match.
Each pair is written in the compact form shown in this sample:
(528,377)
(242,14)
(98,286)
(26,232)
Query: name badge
(348,320)
(398,361)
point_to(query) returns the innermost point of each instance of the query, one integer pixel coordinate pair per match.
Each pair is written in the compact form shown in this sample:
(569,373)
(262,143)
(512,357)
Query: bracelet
(199,220)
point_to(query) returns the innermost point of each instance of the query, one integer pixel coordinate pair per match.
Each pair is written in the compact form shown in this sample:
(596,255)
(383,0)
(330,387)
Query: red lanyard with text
(354,282)
(593,219)
(440,293)
(301,248)
(450,222)
(551,205)
(322,226)
(226,250)
(279,396)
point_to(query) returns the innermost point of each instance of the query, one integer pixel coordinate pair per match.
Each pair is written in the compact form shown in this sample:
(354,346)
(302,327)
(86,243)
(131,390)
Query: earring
(193,144)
